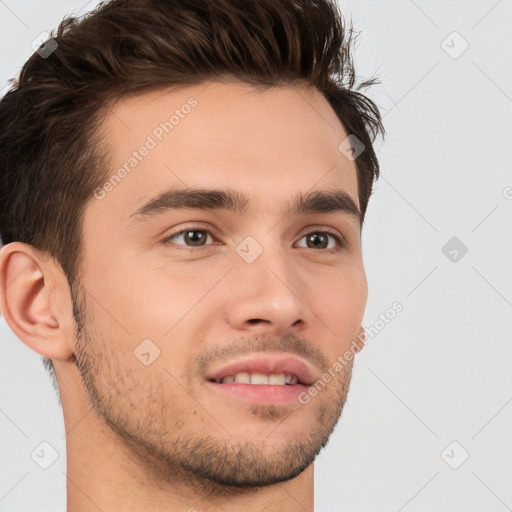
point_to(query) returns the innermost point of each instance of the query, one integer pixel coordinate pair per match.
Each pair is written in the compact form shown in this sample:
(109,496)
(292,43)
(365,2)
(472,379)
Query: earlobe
(27,284)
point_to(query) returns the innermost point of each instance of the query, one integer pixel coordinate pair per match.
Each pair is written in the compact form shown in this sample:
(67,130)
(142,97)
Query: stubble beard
(175,452)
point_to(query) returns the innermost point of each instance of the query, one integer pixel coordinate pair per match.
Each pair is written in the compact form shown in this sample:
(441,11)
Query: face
(222,276)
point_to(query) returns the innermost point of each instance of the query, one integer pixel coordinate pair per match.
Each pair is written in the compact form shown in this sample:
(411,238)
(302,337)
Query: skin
(138,436)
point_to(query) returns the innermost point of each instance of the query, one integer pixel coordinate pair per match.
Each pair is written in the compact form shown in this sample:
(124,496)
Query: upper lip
(267,364)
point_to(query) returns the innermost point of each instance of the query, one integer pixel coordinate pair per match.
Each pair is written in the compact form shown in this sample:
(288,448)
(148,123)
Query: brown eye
(317,241)
(191,237)
(322,240)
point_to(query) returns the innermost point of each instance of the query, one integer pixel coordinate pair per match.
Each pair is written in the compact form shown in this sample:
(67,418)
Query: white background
(439,372)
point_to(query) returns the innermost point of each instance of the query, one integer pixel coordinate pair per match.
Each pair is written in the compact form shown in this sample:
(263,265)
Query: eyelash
(340,241)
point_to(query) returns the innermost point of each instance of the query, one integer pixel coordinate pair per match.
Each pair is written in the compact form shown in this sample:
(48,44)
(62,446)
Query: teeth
(259,378)
(291,379)
(275,379)
(243,378)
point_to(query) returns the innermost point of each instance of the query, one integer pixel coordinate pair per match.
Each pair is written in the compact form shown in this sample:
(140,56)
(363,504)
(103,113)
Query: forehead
(270,144)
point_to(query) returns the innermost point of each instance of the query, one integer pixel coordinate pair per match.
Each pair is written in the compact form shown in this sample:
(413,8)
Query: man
(182,193)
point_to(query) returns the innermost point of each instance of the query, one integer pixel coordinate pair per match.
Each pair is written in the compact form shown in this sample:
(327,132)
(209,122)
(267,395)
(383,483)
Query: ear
(35,300)
(360,339)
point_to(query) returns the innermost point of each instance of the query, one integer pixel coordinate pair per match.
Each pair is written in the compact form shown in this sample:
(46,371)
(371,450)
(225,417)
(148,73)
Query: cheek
(341,301)
(164,302)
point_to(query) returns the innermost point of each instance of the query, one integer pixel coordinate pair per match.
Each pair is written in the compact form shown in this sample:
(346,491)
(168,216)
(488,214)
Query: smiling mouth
(280,369)
(274,379)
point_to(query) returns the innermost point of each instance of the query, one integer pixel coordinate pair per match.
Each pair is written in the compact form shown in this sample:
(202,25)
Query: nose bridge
(266,288)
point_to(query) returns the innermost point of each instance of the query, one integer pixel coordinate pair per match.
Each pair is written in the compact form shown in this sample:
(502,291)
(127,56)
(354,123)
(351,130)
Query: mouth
(256,378)
(263,379)
(265,369)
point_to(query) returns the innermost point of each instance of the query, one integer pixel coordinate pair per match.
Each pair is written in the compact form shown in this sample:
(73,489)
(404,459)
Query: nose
(267,295)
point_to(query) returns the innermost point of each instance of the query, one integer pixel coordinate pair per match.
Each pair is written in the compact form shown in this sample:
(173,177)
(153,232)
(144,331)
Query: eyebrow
(319,201)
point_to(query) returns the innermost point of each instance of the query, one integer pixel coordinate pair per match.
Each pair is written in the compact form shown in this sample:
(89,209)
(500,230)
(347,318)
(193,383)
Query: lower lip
(262,394)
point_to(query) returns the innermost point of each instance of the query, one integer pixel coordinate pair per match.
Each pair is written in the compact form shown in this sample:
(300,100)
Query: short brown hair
(51,155)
